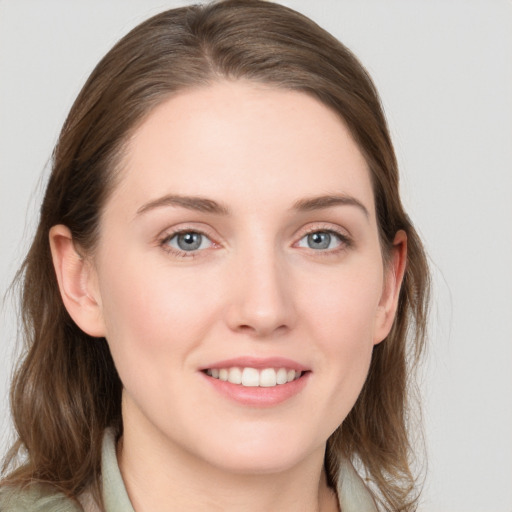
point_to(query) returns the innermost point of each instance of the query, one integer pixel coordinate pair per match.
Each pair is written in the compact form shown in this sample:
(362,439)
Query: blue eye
(321,240)
(189,241)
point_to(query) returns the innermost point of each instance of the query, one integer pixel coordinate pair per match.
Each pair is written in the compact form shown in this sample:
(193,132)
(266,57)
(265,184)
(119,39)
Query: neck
(164,478)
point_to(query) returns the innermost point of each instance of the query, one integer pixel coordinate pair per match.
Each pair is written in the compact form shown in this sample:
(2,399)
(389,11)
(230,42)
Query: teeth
(235,376)
(282,376)
(251,377)
(268,378)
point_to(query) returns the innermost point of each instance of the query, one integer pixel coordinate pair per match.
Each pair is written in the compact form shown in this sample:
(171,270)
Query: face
(238,278)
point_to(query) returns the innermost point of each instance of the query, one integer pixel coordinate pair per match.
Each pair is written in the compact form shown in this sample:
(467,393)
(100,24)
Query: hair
(66,389)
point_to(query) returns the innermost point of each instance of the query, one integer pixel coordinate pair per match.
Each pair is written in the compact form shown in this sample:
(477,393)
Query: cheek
(344,304)
(342,319)
(154,320)
(153,312)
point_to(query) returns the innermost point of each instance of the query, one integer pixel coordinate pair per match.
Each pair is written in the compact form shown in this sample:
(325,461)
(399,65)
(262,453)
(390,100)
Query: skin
(254,288)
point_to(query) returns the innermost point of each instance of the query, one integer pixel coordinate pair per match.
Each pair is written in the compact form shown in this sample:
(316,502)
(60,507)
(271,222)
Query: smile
(253,377)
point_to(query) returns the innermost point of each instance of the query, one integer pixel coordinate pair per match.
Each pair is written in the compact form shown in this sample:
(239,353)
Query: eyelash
(345,242)
(180,253)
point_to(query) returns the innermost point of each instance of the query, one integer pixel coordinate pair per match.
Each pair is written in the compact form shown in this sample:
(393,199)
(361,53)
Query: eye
(188,241)
(321,240)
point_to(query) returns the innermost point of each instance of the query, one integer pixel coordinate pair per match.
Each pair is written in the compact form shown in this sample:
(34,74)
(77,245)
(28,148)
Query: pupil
(189,241)
(319,240)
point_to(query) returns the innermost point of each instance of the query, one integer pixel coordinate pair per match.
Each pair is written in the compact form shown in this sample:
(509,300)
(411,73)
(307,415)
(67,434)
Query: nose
(261,299)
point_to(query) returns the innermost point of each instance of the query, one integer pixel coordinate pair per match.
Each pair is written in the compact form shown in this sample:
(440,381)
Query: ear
(77,282)
(393,275)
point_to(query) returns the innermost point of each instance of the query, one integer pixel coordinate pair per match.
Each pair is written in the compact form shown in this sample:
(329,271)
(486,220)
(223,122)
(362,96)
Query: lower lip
(259,396)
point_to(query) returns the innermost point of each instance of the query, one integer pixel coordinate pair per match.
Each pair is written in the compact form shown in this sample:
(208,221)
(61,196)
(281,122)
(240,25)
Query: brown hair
(66,390)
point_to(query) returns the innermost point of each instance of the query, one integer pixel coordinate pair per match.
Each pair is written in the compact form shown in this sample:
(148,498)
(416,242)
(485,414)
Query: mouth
(257,382)
(255,377)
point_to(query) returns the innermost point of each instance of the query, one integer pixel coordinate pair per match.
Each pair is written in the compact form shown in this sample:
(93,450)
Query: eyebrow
(202,204)
(328,201)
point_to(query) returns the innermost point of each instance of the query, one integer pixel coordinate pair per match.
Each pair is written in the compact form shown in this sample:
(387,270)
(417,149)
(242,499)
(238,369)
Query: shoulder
(36,498)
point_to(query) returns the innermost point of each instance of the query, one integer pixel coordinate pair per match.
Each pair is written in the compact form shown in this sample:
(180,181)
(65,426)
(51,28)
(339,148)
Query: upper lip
(258,363)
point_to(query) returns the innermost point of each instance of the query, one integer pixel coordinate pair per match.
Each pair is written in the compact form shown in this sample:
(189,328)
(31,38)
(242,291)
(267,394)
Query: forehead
(250,143)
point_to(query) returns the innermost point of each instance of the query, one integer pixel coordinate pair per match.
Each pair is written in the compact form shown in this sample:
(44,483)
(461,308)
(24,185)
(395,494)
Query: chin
(263,454)
(258,463)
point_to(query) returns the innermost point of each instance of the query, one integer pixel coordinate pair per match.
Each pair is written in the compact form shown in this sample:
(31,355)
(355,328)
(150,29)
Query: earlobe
(76,280)
(393,277)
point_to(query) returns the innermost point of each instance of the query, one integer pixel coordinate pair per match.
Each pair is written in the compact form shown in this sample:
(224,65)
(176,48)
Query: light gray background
(444,71)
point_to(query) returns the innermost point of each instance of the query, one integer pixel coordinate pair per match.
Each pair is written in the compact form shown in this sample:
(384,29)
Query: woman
(224,294)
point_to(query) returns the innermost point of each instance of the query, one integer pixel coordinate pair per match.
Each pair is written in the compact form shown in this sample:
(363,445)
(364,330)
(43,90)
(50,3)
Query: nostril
(260,329)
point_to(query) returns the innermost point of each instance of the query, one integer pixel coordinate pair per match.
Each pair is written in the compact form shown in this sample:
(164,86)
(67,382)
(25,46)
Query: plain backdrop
(444,71)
